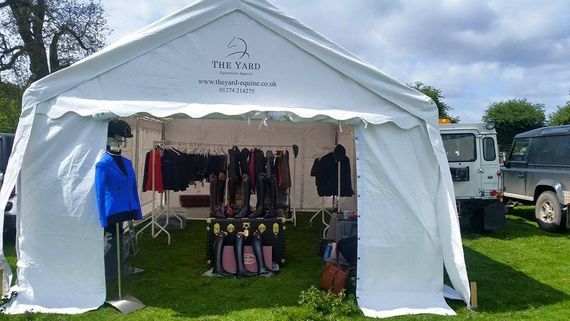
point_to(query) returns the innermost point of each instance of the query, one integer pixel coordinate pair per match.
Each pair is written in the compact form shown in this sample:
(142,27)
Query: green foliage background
(10,107)
(514,116)
(561,116)
(436,95)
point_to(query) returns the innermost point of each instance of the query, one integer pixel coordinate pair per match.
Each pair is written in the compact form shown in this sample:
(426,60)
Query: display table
(340,228)
(272,231)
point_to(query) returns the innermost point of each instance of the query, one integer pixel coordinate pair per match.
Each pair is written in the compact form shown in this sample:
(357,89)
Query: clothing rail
(292,194)
(153,214)
(197,144)
(164,206)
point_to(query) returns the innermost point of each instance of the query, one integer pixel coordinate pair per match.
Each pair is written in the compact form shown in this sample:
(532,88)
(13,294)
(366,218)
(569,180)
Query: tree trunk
(30,20)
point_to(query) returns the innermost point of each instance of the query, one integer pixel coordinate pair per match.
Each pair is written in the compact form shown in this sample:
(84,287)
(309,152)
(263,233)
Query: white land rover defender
(473,158)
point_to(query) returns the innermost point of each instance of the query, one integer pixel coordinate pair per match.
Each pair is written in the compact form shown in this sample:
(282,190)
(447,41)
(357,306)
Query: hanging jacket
(116,192)
(325,171)
(152,168)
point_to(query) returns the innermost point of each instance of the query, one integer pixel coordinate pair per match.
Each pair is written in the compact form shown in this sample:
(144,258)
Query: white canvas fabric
(60,263)
(190,64)
(402,239)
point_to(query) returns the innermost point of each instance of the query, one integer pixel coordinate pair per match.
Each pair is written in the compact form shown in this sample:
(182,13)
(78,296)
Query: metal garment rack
(164,208)
(323,210)
(165,205)
(292,189)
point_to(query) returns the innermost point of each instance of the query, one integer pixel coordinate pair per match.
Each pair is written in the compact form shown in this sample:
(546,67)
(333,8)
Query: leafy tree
(38,37)
(436,95)
(514,116)
(561,116)
(10,102)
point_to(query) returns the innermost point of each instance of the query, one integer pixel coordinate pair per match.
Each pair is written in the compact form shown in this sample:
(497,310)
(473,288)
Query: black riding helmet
(119,128)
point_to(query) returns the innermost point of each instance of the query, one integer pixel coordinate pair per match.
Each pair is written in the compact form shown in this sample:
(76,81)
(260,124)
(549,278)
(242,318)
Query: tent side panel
(448,222)
(401,265)
(60,242)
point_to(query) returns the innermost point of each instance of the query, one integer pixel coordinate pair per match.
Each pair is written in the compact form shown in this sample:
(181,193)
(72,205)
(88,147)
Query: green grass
(522,274)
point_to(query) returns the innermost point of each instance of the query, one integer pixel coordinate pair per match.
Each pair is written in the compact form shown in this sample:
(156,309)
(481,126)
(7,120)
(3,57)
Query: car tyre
(548,212)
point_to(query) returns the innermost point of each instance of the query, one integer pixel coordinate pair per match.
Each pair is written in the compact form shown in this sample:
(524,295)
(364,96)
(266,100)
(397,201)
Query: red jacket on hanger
(152,164)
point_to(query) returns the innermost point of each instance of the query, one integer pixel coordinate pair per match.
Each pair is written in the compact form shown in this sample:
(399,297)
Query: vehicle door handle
(521,175)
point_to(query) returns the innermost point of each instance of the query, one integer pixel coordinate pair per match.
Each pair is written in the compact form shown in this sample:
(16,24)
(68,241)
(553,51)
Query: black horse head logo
(240,47)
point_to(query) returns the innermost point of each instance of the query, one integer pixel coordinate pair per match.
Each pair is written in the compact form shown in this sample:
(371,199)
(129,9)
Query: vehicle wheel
(548,212)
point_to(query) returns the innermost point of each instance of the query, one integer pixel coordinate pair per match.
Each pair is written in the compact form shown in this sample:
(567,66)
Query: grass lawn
(522,274)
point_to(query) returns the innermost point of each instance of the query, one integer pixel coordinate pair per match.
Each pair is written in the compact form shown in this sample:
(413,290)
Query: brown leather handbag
(333,278)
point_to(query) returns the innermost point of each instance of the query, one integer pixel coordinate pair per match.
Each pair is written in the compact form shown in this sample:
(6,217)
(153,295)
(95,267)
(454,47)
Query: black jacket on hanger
(325,171)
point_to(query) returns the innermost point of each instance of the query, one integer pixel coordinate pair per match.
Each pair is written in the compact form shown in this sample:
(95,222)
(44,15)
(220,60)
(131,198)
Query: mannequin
(117,201)
(117,195)
(114,147)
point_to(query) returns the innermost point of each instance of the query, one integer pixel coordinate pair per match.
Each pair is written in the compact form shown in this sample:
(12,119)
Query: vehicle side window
(550,150)
(489,153)
(519,153)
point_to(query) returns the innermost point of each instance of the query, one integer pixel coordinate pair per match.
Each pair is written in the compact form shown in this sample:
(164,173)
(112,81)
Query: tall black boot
(272,198)
(218,255)
(258,252)
(238,249)
(221,188)
(232,185)
(260,206)
(215,210)
(246,188)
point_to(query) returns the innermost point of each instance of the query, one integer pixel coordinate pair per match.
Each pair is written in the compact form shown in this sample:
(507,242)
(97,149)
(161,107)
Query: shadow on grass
(173,275)
(504,289)
(520,224)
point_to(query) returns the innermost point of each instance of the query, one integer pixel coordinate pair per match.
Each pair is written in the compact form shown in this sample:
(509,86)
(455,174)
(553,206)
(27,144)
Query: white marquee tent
(234,60)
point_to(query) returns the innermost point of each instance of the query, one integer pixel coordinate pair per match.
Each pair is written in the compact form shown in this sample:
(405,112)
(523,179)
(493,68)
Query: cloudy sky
(476,52)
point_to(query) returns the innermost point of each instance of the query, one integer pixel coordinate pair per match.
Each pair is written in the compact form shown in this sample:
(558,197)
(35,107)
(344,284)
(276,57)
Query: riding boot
(272,198)
(218,255)
(212,195)
(260,205)
(246,188)
(215,211)
(258,252)
(238,249)
(221,188)
(232,185)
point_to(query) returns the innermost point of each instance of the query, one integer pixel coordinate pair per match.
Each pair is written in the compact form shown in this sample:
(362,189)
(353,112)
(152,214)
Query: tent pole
(153,194)
(338,195)
(294,192)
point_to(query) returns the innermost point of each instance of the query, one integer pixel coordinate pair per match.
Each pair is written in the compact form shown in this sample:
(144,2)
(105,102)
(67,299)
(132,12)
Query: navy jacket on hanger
(116,192)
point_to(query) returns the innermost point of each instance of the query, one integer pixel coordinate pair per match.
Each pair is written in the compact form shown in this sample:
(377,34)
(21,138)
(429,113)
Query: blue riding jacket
(116,192)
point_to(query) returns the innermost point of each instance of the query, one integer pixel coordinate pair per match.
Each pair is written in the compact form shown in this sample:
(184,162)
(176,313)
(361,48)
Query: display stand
(338,189)
(128,303)
(336,204)
(292,195)
(322,211)
(153,215)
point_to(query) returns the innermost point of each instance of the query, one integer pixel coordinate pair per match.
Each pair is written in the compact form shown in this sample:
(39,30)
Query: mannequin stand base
(131,270)
(127,304)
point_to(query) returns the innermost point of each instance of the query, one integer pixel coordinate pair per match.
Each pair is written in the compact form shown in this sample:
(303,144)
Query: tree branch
(10,2)
(10,50)
(78,39)
(10,64)
(53,52)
